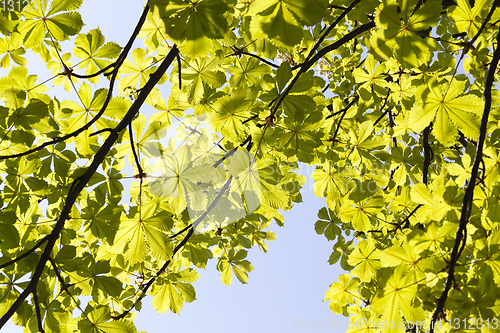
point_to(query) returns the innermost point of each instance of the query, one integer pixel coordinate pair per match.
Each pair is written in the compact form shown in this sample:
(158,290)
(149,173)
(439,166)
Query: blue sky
(286,288)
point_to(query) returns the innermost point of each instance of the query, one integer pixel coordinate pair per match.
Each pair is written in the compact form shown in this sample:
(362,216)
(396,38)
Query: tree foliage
(393,102)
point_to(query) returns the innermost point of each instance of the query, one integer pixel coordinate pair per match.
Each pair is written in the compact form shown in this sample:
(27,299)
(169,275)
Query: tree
(392,101)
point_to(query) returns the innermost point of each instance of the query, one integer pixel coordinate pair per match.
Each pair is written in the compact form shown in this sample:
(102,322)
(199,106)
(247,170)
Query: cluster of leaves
(392,101)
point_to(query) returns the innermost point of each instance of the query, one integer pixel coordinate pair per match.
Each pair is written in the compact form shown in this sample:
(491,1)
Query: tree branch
(261,59)
(179,67)
(354,100)
(191,228)
(119,63)
(461,236)
(38,313)
(427,154)
(309,63)
(344,109)
(496,3)
(383,106)
(351,35)
(327,32)
(80,183)
(27,253)
(99,72)
(132,146)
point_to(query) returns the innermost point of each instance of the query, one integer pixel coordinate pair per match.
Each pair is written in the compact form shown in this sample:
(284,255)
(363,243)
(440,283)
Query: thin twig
(261,59)
(383,106)
(132,146)
(102,71)
(27,253)
(191,228)
(355,99)
(119,62)
(38,313)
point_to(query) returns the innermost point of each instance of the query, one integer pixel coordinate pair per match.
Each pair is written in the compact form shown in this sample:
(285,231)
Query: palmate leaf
(366,259)
(101,222)
(331,182)
(12,50)
(397,296)
(81,115)
(193,24)
(248,71)
(201,72)
(359,210)
(179,181)
(327,224)
(398,35)
(467,19)
(234,261)
(34,117)
(42,20)
(232,111)
(301,136)
(344,291)
(139,72)
(249,182)
(145,233)
(22,184)
(167,112)
(373,77)
(99,320)
(152,31)
(280,20)
(167,298)
(171,293)
(8,291)
(450,109)
(93,51)
(19,81)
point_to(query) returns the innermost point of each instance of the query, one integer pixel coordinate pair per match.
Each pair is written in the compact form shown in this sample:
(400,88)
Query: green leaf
(342,292)
(283,76)
(366,259)
(451,110)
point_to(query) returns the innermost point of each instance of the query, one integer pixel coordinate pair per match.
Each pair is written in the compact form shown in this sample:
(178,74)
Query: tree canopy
(393,103)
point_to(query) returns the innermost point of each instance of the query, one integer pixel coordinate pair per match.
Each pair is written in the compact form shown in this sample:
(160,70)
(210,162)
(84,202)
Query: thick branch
(38,313)
(469,191)
(82,181)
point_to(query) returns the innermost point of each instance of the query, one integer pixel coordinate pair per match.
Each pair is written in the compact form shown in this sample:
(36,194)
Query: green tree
(393,102)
